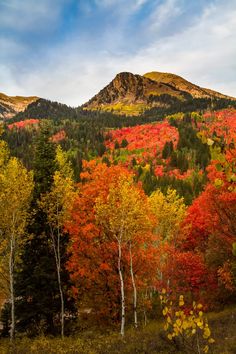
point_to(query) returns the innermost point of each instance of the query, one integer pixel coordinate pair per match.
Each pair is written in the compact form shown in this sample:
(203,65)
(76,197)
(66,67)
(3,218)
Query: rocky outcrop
(11,105)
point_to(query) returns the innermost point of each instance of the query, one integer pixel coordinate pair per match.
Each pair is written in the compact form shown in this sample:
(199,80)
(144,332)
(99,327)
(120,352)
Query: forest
(118,228)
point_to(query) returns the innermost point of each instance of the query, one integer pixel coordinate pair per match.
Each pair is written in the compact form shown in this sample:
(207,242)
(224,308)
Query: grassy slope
(148,340)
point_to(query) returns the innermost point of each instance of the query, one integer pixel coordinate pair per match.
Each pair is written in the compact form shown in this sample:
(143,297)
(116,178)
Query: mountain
(11,105)
(127,94)
(134,94)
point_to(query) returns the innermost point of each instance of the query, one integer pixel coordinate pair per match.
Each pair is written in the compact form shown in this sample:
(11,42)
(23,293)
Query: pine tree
(36,282)
(124,143)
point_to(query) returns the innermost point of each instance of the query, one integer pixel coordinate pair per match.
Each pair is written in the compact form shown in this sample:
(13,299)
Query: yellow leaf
(165,310)
(178,322)
(200,324)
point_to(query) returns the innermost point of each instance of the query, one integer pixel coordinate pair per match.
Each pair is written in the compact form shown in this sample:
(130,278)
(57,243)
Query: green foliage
(167,150)
(124,143)
(44,162)
(36,279)
(189,141)
(188,189)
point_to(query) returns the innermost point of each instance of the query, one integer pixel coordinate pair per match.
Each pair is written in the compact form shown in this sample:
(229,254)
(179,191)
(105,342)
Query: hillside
(43,108)
(134,94)
(11,105)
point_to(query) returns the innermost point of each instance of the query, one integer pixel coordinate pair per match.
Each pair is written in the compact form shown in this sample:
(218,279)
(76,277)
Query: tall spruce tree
(36,281)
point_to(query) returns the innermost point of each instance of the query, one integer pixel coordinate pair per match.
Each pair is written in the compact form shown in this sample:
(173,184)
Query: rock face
(130,88)
(11,105)
(132,94)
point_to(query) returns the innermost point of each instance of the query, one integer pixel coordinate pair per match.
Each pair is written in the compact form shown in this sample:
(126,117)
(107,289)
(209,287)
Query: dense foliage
(118,211)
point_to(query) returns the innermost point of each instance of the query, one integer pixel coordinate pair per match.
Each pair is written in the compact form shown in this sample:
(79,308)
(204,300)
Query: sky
(68,50)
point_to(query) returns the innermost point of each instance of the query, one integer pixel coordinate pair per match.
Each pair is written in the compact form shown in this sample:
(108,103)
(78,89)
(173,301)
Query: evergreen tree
(124,143)
(117,146)
(36,281)
(167,150)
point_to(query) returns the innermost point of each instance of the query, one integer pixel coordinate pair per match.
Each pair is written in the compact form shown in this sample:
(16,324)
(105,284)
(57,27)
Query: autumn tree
(16,186)
(122,216)
(170,211)
(92,256)
(209,225)
(93,249)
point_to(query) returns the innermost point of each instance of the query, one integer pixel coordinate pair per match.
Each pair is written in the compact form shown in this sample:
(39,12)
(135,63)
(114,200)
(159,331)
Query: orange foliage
(93,257)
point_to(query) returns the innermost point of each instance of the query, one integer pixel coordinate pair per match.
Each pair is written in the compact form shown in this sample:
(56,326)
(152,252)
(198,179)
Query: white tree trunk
(12,297)
(134,287)
(122,329)
(59,283)
(62,302)
(57,254)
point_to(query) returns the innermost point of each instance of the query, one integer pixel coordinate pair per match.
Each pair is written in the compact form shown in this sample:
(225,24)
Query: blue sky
(67,50)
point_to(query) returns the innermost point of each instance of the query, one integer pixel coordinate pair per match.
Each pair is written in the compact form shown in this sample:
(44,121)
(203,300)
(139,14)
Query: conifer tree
(36,281)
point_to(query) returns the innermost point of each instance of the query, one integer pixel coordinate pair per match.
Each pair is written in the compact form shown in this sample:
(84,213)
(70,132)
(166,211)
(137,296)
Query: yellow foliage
(189,326)
(16,185)
(59,200)
(124,213)
(170,211)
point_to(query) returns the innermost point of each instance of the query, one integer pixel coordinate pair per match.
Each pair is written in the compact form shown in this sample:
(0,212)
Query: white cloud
(203,53)
(166,11)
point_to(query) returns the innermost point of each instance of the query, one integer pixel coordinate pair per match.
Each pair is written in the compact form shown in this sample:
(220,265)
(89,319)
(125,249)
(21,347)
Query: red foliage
(23,123)
(151,137)
(61,135)
(210,224)
(222,123)
(185,273)
(145,143)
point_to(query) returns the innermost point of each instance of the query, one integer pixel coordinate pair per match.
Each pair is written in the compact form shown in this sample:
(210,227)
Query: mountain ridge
(132,94)
(126,95)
